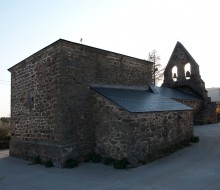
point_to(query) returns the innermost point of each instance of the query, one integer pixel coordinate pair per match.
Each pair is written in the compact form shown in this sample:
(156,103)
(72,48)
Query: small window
(187,70)
(174,73)
(30,99)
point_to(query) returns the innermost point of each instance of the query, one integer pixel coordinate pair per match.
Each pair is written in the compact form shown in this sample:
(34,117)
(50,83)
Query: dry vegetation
(218,112)
(5,132)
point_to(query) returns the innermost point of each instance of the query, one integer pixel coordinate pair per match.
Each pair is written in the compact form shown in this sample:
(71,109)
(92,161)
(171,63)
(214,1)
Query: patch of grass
(185,144)
(37,160)
(88,157)
(108,160)
(121,164)
(194,139)
(48,163)
(71,163)
(174,148)
(96,158)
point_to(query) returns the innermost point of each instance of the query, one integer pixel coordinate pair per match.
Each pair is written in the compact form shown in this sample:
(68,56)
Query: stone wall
(203,113)
(82,66)
(196,105)
(34,84)
(50,97)
(140,137)
(208,113)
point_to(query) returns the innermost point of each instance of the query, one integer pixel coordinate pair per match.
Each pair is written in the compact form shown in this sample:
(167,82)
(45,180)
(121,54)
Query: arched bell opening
(174,73)
(187,70)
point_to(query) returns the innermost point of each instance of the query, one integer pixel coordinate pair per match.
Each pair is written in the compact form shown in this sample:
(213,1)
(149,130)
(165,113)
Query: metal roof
(136,100)
(173,93)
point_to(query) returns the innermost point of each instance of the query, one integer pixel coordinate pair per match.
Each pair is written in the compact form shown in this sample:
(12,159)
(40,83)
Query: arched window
(174,73)
(187,70)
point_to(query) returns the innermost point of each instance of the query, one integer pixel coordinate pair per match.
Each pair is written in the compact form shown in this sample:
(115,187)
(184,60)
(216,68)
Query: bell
(174,75)
(187,74)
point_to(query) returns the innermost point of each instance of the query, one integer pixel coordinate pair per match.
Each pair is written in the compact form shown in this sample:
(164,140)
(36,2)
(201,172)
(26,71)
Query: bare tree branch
(157,70)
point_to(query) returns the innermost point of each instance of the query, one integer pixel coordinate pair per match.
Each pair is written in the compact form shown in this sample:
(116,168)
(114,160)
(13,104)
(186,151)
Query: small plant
(96,158)
(71,163)
(48,163)
(37,160)
(108,161)
(121,164)
(194,139)
(5,131)
(88,157)
(185,144)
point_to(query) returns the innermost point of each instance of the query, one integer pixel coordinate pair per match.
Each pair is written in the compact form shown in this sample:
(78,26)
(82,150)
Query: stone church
(69,100)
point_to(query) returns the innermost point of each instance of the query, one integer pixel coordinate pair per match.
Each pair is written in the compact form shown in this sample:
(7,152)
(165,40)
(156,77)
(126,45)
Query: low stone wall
(140,137)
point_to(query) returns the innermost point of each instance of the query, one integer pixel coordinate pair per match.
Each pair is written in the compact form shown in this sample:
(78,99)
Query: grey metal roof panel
(174,93)
(134,100)
(153,89)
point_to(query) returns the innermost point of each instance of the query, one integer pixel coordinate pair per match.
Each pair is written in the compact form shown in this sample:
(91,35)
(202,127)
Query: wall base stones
(57,153)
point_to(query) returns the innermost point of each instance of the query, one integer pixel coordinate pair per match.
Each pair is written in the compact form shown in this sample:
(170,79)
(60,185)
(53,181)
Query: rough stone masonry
(56,114)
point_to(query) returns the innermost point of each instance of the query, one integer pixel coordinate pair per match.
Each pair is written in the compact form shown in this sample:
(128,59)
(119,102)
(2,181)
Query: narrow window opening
(174,73)
(187,70)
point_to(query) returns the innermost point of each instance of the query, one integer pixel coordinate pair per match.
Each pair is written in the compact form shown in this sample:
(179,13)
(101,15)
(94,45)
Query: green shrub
(48,163)
(96,158)
(5,119)
(37,160)
(88,157)
(71,163)
(185,144)
(194,139)
(121,164)
(108,161)
(5,131)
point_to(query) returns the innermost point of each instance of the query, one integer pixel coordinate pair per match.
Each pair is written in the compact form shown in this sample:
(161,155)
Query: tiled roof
(136,100)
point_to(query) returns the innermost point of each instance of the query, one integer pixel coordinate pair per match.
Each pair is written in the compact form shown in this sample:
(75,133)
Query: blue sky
(130,27)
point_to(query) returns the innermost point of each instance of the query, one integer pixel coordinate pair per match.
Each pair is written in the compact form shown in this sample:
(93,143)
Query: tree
(157,70)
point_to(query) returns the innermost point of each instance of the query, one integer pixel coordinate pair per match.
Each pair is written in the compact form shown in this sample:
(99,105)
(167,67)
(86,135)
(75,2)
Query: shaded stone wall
(208,113)
(140,137)
(83,66)
(50,97)
(203,113)
(197,107)
(34,104)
